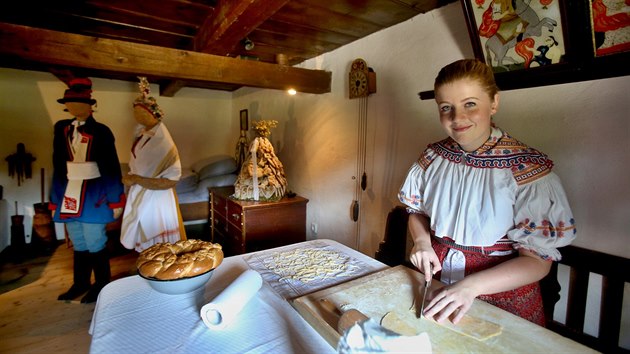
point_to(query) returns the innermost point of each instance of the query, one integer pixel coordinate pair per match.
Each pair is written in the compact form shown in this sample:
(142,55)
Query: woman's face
(144,117)
(466,112)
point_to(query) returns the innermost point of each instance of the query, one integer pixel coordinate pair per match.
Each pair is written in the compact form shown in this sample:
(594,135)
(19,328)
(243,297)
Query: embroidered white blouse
(504,188)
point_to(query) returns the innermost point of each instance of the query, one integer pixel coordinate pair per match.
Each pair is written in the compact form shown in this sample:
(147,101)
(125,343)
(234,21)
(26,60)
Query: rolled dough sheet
(394,323)
(469,326)
(474,327)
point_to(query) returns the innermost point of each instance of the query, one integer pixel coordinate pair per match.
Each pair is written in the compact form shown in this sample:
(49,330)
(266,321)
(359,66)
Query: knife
(427,284)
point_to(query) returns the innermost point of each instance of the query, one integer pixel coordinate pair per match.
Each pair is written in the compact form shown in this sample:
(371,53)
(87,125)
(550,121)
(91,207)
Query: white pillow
(197,166)
(187,182)
(214,166)
(217,181)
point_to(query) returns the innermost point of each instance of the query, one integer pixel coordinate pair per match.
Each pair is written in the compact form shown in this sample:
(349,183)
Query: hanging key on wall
(364,181)
(355,210)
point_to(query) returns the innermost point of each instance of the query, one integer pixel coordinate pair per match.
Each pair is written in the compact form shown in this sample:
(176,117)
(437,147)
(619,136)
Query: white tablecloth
(131,317)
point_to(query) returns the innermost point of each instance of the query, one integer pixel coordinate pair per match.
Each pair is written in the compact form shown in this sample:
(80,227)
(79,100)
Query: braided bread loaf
(183,259)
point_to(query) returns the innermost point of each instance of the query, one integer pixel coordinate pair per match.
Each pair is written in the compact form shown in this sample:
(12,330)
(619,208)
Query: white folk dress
(503,189)
(152,216)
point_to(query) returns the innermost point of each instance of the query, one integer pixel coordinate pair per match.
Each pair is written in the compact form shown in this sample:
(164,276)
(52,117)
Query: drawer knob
(236,217)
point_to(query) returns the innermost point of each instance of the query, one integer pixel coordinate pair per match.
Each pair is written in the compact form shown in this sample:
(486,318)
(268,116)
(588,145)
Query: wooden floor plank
(31,318)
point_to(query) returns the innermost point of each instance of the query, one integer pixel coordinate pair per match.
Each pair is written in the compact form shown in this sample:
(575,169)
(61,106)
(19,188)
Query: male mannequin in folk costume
(152,213)
(87,192)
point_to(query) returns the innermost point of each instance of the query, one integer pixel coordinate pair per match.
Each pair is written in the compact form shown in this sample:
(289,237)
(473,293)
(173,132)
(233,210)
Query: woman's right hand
(425,259)
(422,254)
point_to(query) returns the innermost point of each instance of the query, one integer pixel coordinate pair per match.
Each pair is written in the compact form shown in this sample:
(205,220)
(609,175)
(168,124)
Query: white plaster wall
(584,127)
(317,136)
(580,125)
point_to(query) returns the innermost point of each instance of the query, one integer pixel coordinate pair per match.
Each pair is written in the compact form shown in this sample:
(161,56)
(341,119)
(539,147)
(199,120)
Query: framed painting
(533,43)
(512,35)
(610,26)
(244,120)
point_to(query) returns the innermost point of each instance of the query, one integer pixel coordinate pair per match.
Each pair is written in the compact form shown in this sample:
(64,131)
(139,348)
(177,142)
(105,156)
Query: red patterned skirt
(525,302)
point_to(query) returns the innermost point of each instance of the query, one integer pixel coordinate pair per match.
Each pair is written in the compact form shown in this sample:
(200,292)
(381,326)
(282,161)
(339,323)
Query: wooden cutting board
(392,291)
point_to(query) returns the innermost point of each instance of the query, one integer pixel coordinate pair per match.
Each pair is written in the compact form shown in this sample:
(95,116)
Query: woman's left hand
(453,301)
(450,302)
(129,180)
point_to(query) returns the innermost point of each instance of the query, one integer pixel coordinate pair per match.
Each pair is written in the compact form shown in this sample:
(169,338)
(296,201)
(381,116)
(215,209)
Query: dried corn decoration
(262,174)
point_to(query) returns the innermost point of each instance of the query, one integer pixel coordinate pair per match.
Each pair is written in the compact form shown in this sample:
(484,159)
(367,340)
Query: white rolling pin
(224,308)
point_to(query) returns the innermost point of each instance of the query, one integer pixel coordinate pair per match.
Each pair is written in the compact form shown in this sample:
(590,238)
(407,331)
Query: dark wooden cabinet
(245,226)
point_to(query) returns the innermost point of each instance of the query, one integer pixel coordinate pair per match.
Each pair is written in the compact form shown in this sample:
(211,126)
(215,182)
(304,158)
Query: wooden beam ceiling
(21,46)
(221,33)
(193,43)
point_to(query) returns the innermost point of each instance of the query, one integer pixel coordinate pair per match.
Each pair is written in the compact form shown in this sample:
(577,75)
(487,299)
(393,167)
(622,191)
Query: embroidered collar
(499,151)
(495,135)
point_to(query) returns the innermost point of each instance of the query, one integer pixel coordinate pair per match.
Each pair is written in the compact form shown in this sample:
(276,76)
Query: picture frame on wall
(524,55)
(610,26)
(512,35)
(244,120)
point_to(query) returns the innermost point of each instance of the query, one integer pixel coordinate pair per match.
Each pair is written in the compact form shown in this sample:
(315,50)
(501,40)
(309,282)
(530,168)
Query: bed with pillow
(192,188)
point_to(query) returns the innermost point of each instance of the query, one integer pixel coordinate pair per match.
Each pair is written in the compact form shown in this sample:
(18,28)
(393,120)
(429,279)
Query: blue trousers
(87,237)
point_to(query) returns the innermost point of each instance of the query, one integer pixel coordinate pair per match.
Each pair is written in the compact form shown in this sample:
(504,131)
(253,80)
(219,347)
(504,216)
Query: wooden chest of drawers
(246,226)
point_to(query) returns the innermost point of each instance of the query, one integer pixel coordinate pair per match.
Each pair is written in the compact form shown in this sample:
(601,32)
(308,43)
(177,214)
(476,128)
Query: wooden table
(393,290)
(247,226)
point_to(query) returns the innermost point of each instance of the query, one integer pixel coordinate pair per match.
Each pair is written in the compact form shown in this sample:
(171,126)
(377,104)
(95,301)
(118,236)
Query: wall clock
(361,79)
(361,83)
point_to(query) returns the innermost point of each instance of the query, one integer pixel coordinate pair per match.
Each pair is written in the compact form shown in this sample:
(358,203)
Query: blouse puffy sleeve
(412,190)
(543,218)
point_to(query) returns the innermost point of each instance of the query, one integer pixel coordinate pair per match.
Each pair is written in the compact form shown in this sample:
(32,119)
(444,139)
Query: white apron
(152,216)
(78,171)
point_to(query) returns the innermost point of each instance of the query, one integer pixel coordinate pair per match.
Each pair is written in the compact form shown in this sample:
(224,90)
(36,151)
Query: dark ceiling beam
(22,43)
(64,75)
(171,87)
(232,21)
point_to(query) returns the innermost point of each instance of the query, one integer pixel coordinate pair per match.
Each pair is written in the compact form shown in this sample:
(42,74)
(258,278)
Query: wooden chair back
(615,272)
(392,250)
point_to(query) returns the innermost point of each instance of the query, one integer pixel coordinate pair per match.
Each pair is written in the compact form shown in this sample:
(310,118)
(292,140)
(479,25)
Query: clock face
(358,84)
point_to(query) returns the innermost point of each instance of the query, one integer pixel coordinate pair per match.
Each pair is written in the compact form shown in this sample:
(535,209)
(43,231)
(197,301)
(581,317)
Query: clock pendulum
(361,82)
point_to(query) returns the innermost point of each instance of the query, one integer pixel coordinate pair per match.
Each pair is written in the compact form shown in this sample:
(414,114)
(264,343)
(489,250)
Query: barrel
(17,231)
(43,225)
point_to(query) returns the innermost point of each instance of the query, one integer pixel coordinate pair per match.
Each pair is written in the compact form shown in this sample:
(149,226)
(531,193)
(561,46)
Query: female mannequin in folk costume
(86,192)
(152,212)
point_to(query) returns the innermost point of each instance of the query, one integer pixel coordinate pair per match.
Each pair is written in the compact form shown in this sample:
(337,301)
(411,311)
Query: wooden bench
(615,272)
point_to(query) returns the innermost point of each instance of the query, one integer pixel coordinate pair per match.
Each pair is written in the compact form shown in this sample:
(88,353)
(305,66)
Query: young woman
(487,212)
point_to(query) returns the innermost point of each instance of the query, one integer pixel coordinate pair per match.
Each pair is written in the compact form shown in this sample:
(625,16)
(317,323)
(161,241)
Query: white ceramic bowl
(179,286)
